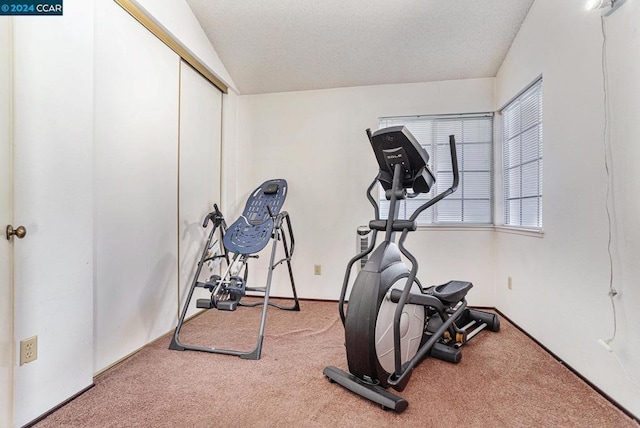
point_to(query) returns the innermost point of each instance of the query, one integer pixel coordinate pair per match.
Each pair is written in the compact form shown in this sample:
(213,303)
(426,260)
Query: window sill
(536,233)
(458,227)
(483,228)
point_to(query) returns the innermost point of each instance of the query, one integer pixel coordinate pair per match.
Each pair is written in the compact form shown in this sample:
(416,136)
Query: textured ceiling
(290,45)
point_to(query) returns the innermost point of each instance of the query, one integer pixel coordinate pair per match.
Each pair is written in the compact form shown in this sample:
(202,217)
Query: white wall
(316,141)
(561,281)
(624,91)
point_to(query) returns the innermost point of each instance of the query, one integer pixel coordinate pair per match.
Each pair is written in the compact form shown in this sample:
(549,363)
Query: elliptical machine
(392,323)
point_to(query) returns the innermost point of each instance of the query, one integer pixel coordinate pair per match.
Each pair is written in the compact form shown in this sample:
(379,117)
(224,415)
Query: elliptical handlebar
(376,208)
(450,190)
(454,162)
(401,372)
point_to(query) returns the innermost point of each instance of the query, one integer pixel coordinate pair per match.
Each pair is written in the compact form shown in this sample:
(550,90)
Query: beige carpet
(503,380)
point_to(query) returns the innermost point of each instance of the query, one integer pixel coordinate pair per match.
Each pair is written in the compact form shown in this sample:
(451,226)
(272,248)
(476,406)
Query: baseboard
(64,403)
(574,371)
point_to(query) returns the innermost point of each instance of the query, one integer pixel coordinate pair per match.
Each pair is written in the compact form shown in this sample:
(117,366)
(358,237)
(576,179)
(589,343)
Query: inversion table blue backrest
(252,231)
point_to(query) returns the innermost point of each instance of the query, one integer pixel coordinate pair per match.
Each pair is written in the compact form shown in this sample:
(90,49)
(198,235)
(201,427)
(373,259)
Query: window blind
(522,159)
(472,202)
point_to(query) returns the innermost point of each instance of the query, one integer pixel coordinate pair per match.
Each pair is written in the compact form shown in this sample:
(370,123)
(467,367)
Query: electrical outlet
(28,350)
(509,283)
(317,270)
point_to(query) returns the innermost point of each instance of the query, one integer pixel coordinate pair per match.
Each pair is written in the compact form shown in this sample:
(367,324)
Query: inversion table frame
(261,221)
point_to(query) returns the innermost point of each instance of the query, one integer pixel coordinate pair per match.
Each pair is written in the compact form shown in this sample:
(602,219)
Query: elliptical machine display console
(392,323)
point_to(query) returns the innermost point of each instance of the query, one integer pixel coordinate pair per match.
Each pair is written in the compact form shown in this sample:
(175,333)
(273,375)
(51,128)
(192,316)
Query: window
(522,158)
(472,202)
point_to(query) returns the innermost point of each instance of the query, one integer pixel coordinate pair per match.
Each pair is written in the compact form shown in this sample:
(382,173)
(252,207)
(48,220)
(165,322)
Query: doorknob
(19,231)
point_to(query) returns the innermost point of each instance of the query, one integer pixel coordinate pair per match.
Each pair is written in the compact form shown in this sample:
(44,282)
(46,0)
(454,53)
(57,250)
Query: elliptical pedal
(476,331)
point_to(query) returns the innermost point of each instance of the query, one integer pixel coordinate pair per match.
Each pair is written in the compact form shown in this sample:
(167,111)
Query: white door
(199,177)
(52,178)
(6,295)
